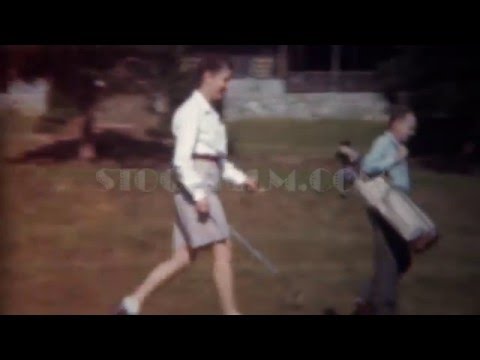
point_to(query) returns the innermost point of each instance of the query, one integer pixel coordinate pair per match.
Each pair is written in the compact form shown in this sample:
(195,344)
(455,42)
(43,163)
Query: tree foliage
(440,83)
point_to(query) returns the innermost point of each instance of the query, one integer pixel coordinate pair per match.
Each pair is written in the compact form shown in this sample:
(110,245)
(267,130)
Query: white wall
(29,99)
(252,98)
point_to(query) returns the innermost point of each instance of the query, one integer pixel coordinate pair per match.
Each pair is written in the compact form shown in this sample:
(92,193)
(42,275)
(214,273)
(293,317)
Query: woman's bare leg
(180,259)
(223,276)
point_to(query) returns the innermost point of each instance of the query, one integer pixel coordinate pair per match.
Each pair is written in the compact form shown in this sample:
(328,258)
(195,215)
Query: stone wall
(30,99)
(246,98)
(253,98)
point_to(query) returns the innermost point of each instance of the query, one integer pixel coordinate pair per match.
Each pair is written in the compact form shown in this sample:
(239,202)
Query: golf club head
(295,299)
(330,312)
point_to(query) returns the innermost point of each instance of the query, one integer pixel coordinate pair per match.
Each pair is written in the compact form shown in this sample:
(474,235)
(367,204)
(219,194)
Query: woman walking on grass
(200,162)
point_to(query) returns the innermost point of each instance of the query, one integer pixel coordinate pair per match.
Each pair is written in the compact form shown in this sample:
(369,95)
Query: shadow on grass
(110,145)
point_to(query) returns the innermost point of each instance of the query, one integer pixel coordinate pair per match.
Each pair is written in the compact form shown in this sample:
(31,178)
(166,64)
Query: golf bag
(397,208)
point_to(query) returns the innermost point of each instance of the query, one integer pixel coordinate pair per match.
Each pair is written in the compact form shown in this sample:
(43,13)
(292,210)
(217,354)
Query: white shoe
(128,306)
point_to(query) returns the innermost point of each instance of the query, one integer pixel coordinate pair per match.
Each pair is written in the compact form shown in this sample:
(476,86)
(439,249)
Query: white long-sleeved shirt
(198,129)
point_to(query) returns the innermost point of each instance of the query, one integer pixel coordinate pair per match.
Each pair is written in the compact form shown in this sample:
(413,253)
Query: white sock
(131,305)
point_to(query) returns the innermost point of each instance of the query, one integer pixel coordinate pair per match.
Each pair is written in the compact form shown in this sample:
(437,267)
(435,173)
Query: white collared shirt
(198,129)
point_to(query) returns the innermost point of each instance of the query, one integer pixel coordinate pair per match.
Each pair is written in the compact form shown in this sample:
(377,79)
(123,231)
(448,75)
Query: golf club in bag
(393,205)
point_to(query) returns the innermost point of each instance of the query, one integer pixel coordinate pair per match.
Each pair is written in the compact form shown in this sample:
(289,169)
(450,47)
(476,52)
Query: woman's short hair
(212,64)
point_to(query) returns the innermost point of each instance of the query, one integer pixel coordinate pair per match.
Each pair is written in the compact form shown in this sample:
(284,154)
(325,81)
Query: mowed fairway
(71,247)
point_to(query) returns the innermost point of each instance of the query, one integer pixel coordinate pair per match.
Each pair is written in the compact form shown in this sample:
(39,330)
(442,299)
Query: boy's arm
(380,158)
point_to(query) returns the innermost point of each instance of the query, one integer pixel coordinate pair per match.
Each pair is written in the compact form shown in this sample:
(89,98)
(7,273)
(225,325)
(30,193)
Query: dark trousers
(391,260)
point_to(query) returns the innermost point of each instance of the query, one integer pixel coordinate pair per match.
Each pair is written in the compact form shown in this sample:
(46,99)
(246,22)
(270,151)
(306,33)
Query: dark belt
(212,158)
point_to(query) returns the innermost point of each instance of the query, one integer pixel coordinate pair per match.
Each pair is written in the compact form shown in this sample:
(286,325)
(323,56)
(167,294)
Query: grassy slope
(71,247)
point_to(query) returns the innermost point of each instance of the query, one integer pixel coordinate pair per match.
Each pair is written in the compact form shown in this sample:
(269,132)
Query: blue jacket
(383,159)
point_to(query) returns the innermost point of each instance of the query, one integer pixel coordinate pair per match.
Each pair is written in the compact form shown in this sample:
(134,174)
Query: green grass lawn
(300,138)
(70,246)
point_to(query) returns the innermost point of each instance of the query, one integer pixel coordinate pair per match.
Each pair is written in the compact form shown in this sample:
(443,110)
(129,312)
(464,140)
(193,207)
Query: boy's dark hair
(398,112)
(213,64)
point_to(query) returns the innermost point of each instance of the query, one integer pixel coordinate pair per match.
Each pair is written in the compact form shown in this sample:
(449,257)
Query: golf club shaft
(294,294)
(257,254)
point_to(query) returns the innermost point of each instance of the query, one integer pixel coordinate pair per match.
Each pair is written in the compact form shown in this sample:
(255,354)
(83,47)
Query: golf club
(295,297)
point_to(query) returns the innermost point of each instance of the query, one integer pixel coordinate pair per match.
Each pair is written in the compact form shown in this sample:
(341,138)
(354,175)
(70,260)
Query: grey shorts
(189,229)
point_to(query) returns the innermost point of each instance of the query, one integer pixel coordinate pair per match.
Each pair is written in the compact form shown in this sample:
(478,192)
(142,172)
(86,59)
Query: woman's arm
(233,174)
(186,123)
